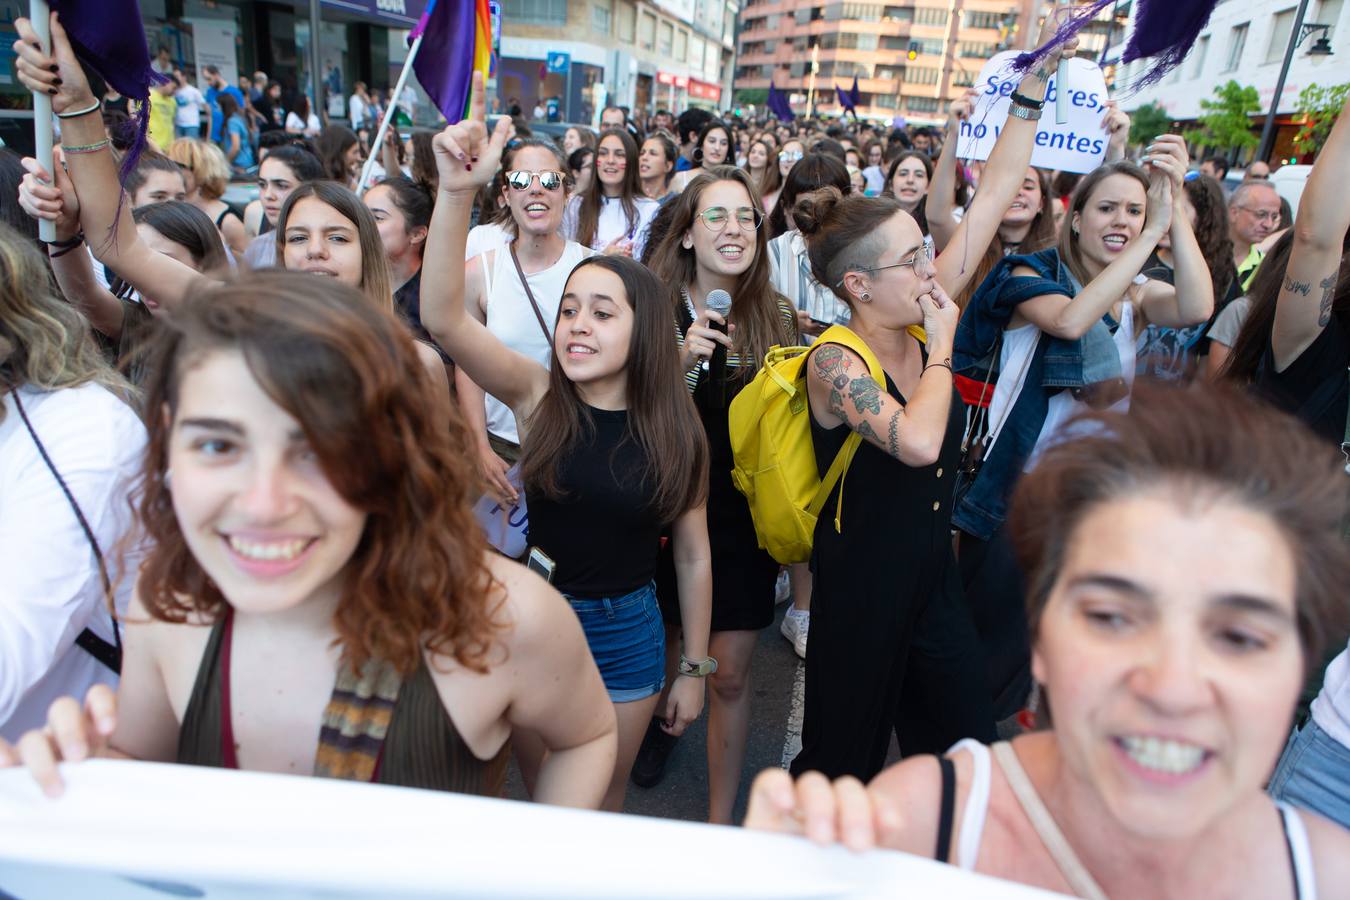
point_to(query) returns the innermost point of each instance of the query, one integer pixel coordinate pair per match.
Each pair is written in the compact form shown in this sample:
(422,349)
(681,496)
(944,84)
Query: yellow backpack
(775,462)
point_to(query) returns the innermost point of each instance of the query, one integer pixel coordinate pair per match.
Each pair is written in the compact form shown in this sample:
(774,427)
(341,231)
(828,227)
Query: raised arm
(104,213)
(466,158)
(1189,300)
(843,391)
(1303,308)
(1001,178)
(1070,317)
(58,202)
(942,191)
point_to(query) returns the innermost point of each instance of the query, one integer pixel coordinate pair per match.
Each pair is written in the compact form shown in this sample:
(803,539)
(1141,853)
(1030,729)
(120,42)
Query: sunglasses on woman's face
(520,180)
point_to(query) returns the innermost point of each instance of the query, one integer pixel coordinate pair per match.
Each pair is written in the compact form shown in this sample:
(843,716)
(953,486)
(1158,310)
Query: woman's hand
(620,246)
(1116,124)
(684,703)
(57,73)
(494,470)
(825,812)
(702,339)
(1158,214)
(72,734)
(961,109)
(940,314)
(1168,154)
(42,199)
(808,325)
(467,154)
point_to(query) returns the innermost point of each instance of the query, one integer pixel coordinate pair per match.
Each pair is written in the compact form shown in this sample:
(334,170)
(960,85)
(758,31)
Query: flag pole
(392,105)
(40,16)
(1062,88)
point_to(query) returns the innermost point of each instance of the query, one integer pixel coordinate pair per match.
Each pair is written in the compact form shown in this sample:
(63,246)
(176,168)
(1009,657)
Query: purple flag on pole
(445,70)
(779,105)
(854,96)
(107,35)
(844,99)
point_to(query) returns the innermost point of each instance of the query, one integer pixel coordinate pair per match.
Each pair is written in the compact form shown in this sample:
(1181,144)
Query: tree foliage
(752,96)
(1147,122)
(1319,105)
(1226,122)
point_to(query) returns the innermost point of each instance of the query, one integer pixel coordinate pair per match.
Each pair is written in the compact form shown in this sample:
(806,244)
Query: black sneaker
(650,766)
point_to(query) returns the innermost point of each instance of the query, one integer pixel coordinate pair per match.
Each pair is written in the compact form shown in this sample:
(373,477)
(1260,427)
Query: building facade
(1245,41)
(577,56)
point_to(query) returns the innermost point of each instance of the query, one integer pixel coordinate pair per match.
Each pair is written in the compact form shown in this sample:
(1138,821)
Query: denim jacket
(1056,364)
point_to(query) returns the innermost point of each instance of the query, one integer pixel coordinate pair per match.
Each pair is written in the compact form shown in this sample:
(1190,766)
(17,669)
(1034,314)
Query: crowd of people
(1080,439)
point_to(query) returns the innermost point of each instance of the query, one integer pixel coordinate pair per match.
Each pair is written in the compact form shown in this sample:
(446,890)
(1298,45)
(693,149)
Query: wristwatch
(699,669)
(1030,113)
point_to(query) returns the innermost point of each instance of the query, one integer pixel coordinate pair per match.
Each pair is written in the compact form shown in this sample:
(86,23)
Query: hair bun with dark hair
(814,207)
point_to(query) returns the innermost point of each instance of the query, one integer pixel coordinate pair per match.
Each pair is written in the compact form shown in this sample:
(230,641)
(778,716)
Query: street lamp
(1297,35)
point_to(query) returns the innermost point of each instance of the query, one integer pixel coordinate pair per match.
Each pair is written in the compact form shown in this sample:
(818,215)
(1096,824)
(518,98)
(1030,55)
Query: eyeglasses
(520,180)
(918,259)
(790,156)
(1262,215)
(1253,176)
(717,217)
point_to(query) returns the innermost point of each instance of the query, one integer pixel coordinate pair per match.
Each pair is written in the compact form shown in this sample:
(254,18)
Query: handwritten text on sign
(1078,145)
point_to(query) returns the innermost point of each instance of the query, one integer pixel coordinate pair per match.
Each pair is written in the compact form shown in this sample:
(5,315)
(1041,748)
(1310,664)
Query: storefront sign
(704,90)
(396,13)
(559,62)
(1078,145)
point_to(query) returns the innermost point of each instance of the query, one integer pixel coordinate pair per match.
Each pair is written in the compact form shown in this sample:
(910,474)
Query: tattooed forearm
(893,438)
(866,394)
(1297,287)
(866,430)
(1328,286)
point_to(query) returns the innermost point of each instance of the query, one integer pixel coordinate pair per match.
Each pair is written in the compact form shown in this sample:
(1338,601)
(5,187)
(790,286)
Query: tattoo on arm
(865,430)
(1328,286)
(893,438)
(866,395)
(1297,287)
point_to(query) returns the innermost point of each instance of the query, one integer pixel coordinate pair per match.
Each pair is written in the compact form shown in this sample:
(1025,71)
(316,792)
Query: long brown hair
(348,373)
(755,304)
(1039,236)
(588,215)
(1211,231)
(1068,238)
(1203,444)
(375,280)
(661,415)
(772,179)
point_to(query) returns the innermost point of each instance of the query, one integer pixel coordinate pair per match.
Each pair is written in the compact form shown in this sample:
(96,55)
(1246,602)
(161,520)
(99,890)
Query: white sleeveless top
(976,810)
(511,319)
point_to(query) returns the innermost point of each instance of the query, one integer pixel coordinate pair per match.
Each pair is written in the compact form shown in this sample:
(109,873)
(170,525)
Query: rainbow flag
(457,35)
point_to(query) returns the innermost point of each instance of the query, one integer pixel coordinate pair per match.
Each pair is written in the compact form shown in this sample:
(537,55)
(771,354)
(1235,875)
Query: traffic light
(913,54)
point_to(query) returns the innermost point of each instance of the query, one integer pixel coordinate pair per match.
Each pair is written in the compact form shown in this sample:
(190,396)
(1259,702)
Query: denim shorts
(628,641)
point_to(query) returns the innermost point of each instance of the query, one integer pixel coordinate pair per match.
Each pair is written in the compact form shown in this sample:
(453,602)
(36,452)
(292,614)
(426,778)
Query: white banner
(214,45)
(1079,145)
(145,831)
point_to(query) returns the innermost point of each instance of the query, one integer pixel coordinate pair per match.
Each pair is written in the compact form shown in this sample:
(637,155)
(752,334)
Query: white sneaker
(782,588)
(795,626)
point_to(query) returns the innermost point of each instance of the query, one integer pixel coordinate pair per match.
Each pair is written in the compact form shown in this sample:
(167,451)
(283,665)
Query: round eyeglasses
(919,260)
(715,218)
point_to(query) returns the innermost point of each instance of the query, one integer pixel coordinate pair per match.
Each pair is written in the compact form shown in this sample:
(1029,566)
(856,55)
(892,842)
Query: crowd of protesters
(1093,427)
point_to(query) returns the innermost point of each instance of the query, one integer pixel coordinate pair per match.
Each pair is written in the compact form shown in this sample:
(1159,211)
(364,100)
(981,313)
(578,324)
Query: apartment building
(643,54)
(1245,41)
(911,57)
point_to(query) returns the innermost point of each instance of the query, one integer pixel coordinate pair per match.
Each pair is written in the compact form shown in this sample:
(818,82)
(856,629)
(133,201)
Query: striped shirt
(790,274)
(789,337)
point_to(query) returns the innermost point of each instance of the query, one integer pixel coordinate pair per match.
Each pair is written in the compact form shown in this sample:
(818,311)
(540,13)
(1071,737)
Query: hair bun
(814,207)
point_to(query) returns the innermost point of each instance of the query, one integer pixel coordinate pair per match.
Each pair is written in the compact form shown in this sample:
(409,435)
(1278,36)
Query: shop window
(535,12)
(600,15)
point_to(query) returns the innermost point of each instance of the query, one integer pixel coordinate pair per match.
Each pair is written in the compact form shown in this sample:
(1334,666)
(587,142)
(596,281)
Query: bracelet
(1030,113)
(67,243)
(86,148)
(75,114)
(1024,100)
(943,364)
(697,669)
(63,251)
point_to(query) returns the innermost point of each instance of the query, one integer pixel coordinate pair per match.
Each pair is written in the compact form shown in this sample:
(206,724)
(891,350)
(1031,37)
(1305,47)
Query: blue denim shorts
(628,641)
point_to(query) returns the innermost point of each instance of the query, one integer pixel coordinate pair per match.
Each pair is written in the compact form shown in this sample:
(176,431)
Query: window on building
(922,104)
(893,42)
(627,22)
(682,45)
(930,15)
(975,49)
(1237,42)
(647,31)
(665,39)
(802,16)
(1280,26)
(600,14)
(886,101)
(1201,51)
(981,19)
(931,46)
(535,12)
(964,78)
(868,41)
(771,22)
(897,14)
(889,73)
(921,75)
(1328,12)
(797,69)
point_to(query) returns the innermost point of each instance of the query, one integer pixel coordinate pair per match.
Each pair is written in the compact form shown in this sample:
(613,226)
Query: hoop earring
(865,297)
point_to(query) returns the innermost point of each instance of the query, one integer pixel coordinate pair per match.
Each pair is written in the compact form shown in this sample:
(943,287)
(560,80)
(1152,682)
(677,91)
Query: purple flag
(779,105)
(854,96)
(107,35)
(844,99)
(444,66)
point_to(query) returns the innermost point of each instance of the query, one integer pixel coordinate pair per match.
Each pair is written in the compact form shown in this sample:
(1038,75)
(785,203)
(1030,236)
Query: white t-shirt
(1331,708)
(51,589)
(356,111)
(190,104)
(613,222)
(295,123)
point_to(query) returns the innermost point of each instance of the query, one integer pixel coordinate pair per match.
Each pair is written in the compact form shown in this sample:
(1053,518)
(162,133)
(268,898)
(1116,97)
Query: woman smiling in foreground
(1180,585)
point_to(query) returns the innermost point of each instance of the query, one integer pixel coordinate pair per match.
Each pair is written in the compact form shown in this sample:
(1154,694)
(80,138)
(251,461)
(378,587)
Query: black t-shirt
(601,535)
(1316,386)
(408,304)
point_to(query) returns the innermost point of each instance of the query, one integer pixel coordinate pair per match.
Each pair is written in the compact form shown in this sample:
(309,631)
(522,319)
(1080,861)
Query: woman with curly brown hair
(312,540)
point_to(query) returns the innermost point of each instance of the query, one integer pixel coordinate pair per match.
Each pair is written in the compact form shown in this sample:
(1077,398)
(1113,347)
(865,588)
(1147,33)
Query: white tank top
(511,319)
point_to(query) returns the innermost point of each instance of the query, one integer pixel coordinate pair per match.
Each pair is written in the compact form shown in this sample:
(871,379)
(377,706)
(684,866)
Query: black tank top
(601,533)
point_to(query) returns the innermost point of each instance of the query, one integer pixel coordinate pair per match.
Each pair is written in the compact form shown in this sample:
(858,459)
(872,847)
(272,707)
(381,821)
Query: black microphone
(718,301)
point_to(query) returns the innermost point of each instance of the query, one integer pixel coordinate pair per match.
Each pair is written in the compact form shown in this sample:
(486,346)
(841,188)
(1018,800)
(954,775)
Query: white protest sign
(149,831)
(1079,145)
